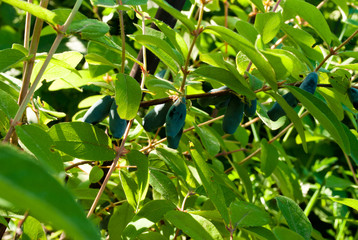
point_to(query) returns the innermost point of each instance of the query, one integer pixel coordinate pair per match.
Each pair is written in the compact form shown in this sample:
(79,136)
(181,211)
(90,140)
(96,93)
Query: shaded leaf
(269,157)
(312,15)
(294,216)
(163,185)
(194,226)
(324,115)
(82,140)
(212,188)
(244,214)
(28,186)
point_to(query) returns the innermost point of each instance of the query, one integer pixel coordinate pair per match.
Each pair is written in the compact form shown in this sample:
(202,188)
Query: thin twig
(196,33)
(113,166)
(334,51)
(351,168)
(78,164)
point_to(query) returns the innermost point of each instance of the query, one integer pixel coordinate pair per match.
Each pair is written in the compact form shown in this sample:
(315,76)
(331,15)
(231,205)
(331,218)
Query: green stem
(52,51)
(196,35)
(123,37)
(111,169)
(312,201)
(29,65)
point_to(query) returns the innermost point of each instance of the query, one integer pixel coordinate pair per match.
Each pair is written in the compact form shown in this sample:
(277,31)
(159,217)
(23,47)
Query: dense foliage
(178,119)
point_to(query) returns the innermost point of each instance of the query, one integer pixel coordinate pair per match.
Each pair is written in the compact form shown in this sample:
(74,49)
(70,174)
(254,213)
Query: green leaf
(247,30)
(285,63)
(130,187)
(282,233)
(128,96)
(175,38)
(295,217)
(269,157)
(60,66)
(292,115)
(39,142)
(113,46)
(27,185)
(225,77)
(151,213)
(8,105)
(163,185)
(333,102)
(177,164)
(97,59)
(162,50)
(244,214)
(9,57)
(82,140)
(261,233)
(3,221)
(159,85)
(337,182)
(240,43)
(122,215)
(212,188)
(287,181)
(312,15)
(210,142)
(350,202)
(194,226)
(88,28)
(96,174)
(258,4)
(268,25)
(32,229)
(353,141)
(305,41)
(138,159)
(176,14)
(35,10)
(324,115)
(134,2)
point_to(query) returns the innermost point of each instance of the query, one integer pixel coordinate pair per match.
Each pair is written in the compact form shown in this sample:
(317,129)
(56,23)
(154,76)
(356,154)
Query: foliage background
(216,185)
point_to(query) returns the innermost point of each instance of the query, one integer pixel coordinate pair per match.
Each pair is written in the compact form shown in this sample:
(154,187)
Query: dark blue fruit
(353,96)
(276,111)
(117,125)
(250,107)
(309,84)
(218,101)
(175,118)
(98,111)
(156,117)
(173,142)
(233,115)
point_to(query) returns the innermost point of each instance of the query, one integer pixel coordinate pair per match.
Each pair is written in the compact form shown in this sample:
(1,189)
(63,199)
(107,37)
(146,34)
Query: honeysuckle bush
(63,177)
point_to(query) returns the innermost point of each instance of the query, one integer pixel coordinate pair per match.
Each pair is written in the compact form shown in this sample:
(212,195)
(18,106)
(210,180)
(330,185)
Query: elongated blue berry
(173,142)
(155,118)
(117,125)
(219,101)
(175,118)
(233,115)
(276,111)
(98,111)
(353,96)
(309,84)
(250,107)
